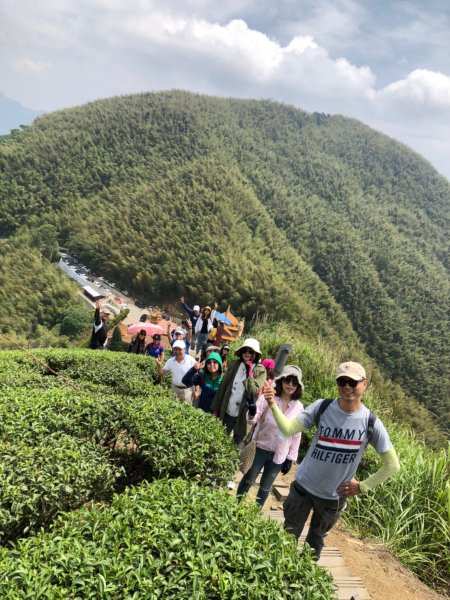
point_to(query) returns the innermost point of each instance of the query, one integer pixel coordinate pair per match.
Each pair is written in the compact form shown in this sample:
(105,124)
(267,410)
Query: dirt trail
(383,576)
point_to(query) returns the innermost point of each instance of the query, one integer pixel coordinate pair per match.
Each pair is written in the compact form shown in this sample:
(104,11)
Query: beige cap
(292,370)
(250,343)
(350,369)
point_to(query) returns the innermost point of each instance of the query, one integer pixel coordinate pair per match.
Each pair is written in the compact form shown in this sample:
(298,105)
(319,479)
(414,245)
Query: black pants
(263,460)
(326,513)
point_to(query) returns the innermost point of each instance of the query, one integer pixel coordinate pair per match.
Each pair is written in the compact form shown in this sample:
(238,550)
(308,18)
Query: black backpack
(326,403)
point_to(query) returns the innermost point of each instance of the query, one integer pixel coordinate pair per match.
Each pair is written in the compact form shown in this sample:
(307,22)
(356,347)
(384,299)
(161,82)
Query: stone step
(347,586)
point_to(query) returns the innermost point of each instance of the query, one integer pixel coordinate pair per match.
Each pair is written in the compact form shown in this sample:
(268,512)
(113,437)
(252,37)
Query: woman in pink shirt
(274,453)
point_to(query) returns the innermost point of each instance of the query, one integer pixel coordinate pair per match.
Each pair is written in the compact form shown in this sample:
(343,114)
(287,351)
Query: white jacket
(199,324)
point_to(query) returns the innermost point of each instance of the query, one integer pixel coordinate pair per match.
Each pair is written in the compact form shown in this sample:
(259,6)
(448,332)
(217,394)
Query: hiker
(138,343)
(224,351)
(194,314)
(99,329)
(178,365)
(210,348)
(186,326)
(240,388)
(274,453)
(208,377)
(326,476)
(177,334)
(155,348)
(202,328)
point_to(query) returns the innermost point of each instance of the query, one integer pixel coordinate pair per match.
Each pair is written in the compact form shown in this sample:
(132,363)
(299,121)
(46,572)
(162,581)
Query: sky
(385,63)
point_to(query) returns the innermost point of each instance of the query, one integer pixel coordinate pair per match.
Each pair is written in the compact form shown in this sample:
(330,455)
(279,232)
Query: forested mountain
(34,295)
(304,217)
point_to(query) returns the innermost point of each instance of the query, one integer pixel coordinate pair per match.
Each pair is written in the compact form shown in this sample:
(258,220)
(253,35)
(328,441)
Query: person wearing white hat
(326,476)
(274,453)
(243,379)
(178,365)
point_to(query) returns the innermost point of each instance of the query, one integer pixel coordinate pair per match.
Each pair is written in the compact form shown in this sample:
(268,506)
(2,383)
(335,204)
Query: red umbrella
(150,328)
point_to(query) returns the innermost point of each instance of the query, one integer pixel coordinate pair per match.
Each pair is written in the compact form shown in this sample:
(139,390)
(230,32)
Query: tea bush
(170,539)
(151,435)
(178,441)
(40,481)
(31,413)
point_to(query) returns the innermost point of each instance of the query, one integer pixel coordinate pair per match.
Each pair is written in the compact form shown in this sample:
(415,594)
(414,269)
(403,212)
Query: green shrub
(176,440)
(31,414)
(170,539)
(155,435)
(124,374)
(40,481)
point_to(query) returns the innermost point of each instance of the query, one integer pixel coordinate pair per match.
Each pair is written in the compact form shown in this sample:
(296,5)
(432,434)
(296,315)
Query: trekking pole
(281,358)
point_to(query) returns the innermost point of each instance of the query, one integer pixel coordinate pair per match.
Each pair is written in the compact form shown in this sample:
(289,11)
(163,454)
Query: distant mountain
(308,218)
(13,114)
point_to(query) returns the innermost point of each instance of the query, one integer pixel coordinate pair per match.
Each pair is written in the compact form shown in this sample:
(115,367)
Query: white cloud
(422,88)
(28,65)
(107,47)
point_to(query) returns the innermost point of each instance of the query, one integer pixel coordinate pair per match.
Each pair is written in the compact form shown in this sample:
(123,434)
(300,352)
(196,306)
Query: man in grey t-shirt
(326,476)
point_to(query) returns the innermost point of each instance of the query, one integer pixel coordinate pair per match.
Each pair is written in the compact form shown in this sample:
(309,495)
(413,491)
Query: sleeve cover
(390,466)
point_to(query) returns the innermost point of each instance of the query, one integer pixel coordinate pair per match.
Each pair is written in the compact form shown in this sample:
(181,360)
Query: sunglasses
(248,351)
(291,380)
(343,381)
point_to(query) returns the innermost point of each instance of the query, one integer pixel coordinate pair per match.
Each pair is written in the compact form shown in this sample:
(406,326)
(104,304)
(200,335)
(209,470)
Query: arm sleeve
(189,379)
(287,426)
(390,467)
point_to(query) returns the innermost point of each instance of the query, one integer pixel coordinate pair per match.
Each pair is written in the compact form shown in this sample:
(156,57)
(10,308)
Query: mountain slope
(13,114)
(312,218)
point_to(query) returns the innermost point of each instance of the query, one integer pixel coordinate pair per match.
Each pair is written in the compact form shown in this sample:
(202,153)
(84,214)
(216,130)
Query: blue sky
(386,63)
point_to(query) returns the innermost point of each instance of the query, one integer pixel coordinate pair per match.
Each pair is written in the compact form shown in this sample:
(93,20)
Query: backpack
(326,403)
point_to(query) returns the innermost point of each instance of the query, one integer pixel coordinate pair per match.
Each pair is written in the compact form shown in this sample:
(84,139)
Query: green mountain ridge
(304,217)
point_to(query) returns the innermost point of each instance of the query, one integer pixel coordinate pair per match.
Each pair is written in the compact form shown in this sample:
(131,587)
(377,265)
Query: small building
(92,294)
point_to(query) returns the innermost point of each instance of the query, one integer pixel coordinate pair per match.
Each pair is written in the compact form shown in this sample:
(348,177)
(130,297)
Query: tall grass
(411,512)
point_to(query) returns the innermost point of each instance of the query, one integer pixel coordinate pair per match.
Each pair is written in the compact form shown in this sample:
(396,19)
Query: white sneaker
(231,485)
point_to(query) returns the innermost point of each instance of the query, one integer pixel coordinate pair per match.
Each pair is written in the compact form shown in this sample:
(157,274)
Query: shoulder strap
(322,408)
(371,426)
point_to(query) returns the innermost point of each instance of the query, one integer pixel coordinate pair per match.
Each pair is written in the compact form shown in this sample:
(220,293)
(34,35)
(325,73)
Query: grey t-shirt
(337,447)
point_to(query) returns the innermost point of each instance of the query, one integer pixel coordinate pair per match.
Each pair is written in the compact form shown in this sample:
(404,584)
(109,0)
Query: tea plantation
(112,489)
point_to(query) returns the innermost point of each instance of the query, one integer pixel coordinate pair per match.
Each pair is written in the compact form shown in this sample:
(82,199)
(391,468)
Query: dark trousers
(325,514)
(263,460)
(230,426)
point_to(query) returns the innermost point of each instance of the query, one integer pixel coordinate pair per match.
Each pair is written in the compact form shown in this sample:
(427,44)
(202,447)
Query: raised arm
(186,308)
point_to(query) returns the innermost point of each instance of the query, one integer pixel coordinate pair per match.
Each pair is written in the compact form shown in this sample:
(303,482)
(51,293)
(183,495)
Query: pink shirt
(269,437)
